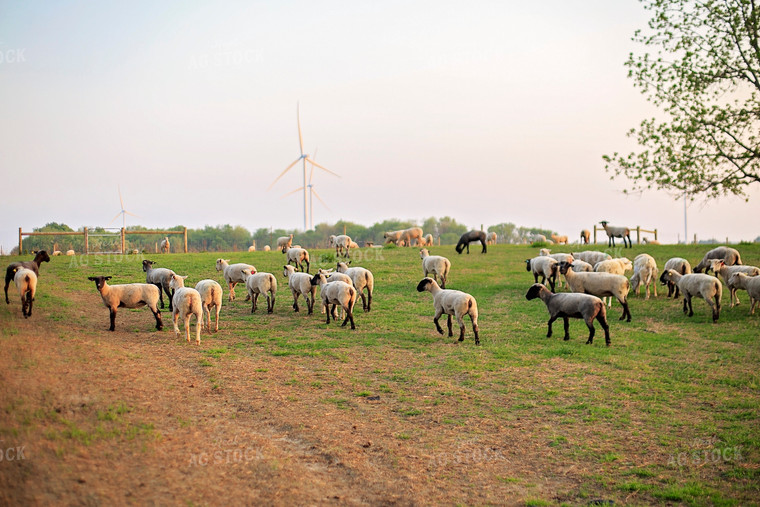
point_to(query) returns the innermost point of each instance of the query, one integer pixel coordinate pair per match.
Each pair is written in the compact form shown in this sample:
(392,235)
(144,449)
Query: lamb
(56,253)
(187,302)
(353,244)
(165,245)
(575,305)
(426,240)
(211,296)
(600,285)
(729,255)
(648,241)
(680,265)
(70,252)
(644,272)
(451,302)
(267,248)
(300,283)
(582,267)
(252,248)
(392,237)
(559,239)
(298,256)
(131,295)
(234,274)
(537,238)
(334,276)
(435,264)
(591,256)
(336,293)
(26,283)
(261,283)
(159,277)
(284,242)
(617,266)
(342,244)
(491,238)
(585,237)
(363,279)
(559,257)
(543,266)
(719,267)
(617,232)
(749,283)
(410,235)
(34,265)
(696,284)
(470,237)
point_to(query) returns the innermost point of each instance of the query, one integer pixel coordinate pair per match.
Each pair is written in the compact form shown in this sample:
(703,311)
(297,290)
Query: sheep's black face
(534,291)
(315,280)
(147,264)
(563,267)
(423,285)
(100,281)
(41,256)
(664,278)
(527,264)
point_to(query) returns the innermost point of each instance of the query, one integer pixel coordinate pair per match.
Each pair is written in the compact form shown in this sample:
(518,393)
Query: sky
(487,112)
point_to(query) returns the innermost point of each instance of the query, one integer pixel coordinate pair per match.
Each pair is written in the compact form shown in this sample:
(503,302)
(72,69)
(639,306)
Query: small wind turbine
(312,193)
(123,213)
(305,157)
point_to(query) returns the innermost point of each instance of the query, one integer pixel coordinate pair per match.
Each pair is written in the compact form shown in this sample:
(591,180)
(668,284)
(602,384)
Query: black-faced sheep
(544,266)
(211,296)
(719,267)
(336,293)
(617,232)
(234,274)
(26,284)
(599,285)
(130,295)
(451,302)
(644,273)
(729,255)
(681,266)
(298,256)
(574,305)
(696,284)
(363,279)
(187,302)
(261,283)
(436,265)
(471,237)
(34,265)
(749,283)
(159,277)
(300,283)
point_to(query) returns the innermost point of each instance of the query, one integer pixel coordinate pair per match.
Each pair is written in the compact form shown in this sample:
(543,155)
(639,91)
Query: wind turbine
(305,157)
(123,213)
(312,193)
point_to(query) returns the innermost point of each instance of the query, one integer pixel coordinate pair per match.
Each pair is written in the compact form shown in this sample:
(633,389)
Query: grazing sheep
(599,285)
(26,283)
(300,283)
(451,302)
(718,266)
(334,276)
(559,257)
(342,244)
(729,255)
(648,241)
(491,238)
(696,284)
(56,253)
(70,252)
(616,266)
(165,245)
(234,274)
(426,240)
(543,266)
(284,242)
(537,238)
(34,265)
(559,239)
(435,264)
(252,248)
(681,266)
(159,277)
(363,279)
(354,245)
(617,232)
(211,295)
(336,293)
(575,305)
(267,248)
(471,237)
(582,267)
(644,273)
(130,295)
(298,256)
(591,256)
(187,302)
(749,283)
(261,283)
(585,237)
(392,237)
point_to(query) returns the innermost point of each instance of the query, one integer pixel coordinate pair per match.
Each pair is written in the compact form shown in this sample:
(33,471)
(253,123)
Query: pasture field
(282,409)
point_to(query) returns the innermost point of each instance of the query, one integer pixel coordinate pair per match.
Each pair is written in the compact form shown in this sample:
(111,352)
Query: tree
(705,76)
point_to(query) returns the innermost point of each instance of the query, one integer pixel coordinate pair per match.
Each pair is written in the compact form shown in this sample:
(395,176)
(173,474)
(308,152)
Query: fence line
(638,230)
(86,233)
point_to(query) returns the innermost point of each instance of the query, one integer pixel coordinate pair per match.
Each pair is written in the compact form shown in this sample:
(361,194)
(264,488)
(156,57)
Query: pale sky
(487,112)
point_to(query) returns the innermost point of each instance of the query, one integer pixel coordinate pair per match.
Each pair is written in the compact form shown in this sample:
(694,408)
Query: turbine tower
(312,193)
(123,213)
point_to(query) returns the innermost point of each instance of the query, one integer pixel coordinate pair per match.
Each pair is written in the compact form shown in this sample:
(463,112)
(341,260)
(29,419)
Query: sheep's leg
(566,322)
(752,303)
(112,314)
(160,294)
(364,301)
(475,330)
(232,291)
(591,330)
(198,324)
(270,307)
(602,318)
(734,296)
(295,301)
(485,250)
(8,278)
(216,322)
(207,317)
(307,265)
(175,316)
(716,309)
(551,321)
(310,302)
(438,314)
(460,321)
(187,326)
(332,312)
(253,301)
(326,306)
(157,315)
(626,310)
(552,281)
(170,295)
(448,323)
(688,301)
(349,316)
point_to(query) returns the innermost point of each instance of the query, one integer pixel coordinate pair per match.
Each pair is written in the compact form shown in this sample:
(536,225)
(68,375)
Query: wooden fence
(86,234)
(638,230)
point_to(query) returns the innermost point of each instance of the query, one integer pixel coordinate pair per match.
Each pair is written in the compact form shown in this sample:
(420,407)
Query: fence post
(184,233)
(655,234)
(695,238)
(86,241)
(638,234)
(123,242)
(20,242)
(595,234)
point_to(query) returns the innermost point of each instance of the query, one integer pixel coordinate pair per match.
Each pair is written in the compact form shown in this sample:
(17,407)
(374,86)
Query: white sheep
(334,276)
(749,283)
(585,236)
(435,265)
(680,265)
(165,245)
(451,302)
(342,244)
(491,238)
(648,241)
(426,240)
(696,284)
(159,277)
(130,295)
(252,248)
(353,245)
(211,296)
(363,279)
(617,232)
(543,266)
(56,253)
(300,283)
(616,266)
(537,238)
(234,274)
(284,242)
(261,283)
(719,267)
(575,305)
(599,285)
(559,239)
(559,257)
(644,273)
(26,284)
(187,302)
(70,252)
(729,255)
(582,267)
(336,293)
(298,256)
(591,256)
(267,248)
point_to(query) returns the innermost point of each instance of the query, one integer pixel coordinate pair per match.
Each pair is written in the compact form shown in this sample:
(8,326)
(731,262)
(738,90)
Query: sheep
(729,255)
(160,278)
(341,243)
(410,235)
(537,238)
(26,283)
(600,285)
(392,237)
(435,264)
(300,283)
(187,302)
(34,265)
(559,257)
(451,302)
(718,266)
(56,253)
(491,238)
(130,295)
(749,283)
(363,279)
(582,267)
(471,237)
(680,265)
(617,232)
(234,274)
(617,266)
(648,241)
(298,256)
(644,273)
(353,244)
(543,266)
(262,283)
(252,248)
(267,248)
(70,252)
(284,242)
(559,239)
(426,240)
(585,237)
(696,284)
(336,293)
(591,256)
(211,295)
(165,245)
(575,305)
(333,276)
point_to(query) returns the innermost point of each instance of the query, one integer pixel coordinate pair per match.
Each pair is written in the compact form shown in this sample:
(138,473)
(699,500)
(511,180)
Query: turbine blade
(300,137)
(114,218)
(311,173)
(320,199)
(132,214)
(291,193)
(323,168)
(283,172)
(120,199)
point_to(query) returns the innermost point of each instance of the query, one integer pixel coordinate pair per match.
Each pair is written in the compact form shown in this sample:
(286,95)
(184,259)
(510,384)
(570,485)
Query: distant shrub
(539,244)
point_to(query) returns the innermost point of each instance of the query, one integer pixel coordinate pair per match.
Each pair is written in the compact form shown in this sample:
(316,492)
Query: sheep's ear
(91,278)
(183,277)
(107,278)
